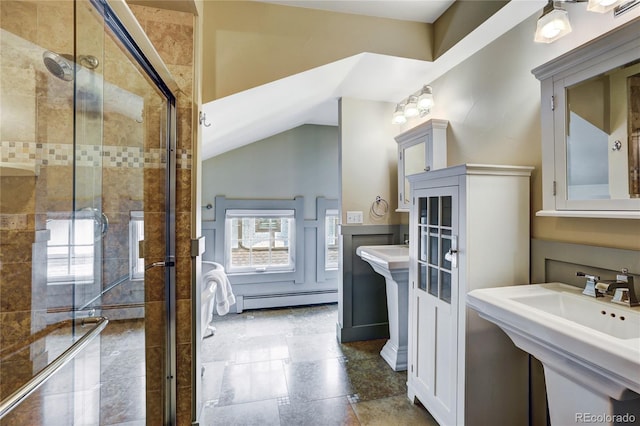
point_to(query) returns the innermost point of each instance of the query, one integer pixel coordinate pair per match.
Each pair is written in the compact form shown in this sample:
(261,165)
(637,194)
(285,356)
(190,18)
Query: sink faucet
(624,291)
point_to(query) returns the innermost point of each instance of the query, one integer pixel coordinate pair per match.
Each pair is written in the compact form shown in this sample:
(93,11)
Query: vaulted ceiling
(267,73)
(405,10)
(311,96)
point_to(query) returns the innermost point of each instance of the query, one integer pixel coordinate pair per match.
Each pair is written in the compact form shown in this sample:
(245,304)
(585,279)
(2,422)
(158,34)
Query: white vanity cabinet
(420,149)
(469,228)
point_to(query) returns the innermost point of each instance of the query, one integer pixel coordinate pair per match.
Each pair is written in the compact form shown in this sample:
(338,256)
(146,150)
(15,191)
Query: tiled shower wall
(35,116)
(37,129)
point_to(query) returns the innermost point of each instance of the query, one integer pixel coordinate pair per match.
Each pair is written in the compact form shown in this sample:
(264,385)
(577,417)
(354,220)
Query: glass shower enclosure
(87,198)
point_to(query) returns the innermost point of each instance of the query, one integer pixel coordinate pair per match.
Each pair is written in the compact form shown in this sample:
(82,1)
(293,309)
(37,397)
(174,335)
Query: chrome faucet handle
(621,296)
(626,291)
(587,276)
(590,286)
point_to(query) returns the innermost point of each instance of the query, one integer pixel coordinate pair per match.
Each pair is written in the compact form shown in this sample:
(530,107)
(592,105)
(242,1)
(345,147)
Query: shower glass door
(85,203)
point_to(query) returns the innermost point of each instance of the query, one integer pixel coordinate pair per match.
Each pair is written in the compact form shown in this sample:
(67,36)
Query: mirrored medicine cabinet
(591,128)
(420,149)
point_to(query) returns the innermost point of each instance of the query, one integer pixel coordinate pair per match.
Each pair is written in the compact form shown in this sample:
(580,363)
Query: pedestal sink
(590,348)
(392,262)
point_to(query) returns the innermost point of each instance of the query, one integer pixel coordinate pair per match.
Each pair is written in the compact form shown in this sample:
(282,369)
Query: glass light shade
(398,115)
(602,6)
(425,100)
(553,24)
(411,108)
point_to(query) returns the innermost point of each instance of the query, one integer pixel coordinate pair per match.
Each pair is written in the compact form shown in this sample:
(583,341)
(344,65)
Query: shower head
(58,65)
(62,66)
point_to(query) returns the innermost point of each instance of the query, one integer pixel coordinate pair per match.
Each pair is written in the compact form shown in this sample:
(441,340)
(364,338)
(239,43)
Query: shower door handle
(101,221)
(104,224)
(166,263)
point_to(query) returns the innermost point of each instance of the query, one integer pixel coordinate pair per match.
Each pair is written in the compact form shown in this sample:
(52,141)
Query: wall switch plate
(354,217)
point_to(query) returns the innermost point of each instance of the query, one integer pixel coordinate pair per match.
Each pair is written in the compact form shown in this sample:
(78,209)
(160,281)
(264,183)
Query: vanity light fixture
(554,22)
(603,6)
(416,104)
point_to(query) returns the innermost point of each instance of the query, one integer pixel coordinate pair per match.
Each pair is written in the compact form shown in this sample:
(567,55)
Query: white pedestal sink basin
(590,348)
(392,262)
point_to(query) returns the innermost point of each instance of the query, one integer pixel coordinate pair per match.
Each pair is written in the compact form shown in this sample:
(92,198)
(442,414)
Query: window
(70,251)
(331,240)
(260,241)
(136,236)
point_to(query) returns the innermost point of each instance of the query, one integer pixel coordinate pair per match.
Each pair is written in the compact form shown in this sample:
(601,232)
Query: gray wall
(300,162)
(296,169)
(363,294)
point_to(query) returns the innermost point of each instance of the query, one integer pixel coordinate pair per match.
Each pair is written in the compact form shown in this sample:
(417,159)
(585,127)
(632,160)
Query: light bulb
(411,108)
(553,24)
(553,28)
(398,115)
(602,6)
(425,100)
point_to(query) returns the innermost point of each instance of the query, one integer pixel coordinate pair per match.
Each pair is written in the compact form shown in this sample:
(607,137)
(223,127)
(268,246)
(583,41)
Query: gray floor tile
(212,380)
(313,347)
(260,413)
(285,367)
(324,412)
(309,381)
(262,348)
(252,382)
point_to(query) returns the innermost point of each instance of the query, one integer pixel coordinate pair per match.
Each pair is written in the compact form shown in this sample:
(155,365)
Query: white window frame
(331,239)
(70,243)
(231,240)
(136,237)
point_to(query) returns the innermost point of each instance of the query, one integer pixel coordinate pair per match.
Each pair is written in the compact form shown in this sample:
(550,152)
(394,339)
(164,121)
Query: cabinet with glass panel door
(469,228)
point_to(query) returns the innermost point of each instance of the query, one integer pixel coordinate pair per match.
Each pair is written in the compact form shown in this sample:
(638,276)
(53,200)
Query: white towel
(224,294)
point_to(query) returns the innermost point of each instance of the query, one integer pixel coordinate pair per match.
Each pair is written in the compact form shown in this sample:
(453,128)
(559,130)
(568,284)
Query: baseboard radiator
(276,300)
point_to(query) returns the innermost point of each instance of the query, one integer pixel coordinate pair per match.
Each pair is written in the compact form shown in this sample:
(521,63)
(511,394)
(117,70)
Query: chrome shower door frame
(126,28)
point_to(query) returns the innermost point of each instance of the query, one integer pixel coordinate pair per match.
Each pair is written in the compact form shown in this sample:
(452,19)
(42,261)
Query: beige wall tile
(55,24)
(17,194)
(20,18)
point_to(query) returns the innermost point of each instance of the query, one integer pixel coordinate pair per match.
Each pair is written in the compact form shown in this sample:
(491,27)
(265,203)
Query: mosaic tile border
(283,400)
(59,154)
(183,158)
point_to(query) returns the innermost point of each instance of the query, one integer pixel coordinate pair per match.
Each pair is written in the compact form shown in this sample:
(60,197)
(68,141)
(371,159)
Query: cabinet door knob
(451,256)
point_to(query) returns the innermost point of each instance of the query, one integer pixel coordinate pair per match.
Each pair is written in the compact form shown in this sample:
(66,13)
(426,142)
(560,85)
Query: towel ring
(379,208)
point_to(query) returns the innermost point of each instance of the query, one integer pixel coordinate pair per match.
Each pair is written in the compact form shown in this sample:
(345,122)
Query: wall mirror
(603,126)
(414,161)
(591,128)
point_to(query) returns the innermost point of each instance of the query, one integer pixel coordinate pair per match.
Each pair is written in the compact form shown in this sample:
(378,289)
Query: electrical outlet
(354,217)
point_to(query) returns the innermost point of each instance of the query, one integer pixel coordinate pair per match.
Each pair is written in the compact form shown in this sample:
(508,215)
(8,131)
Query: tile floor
(285,367)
